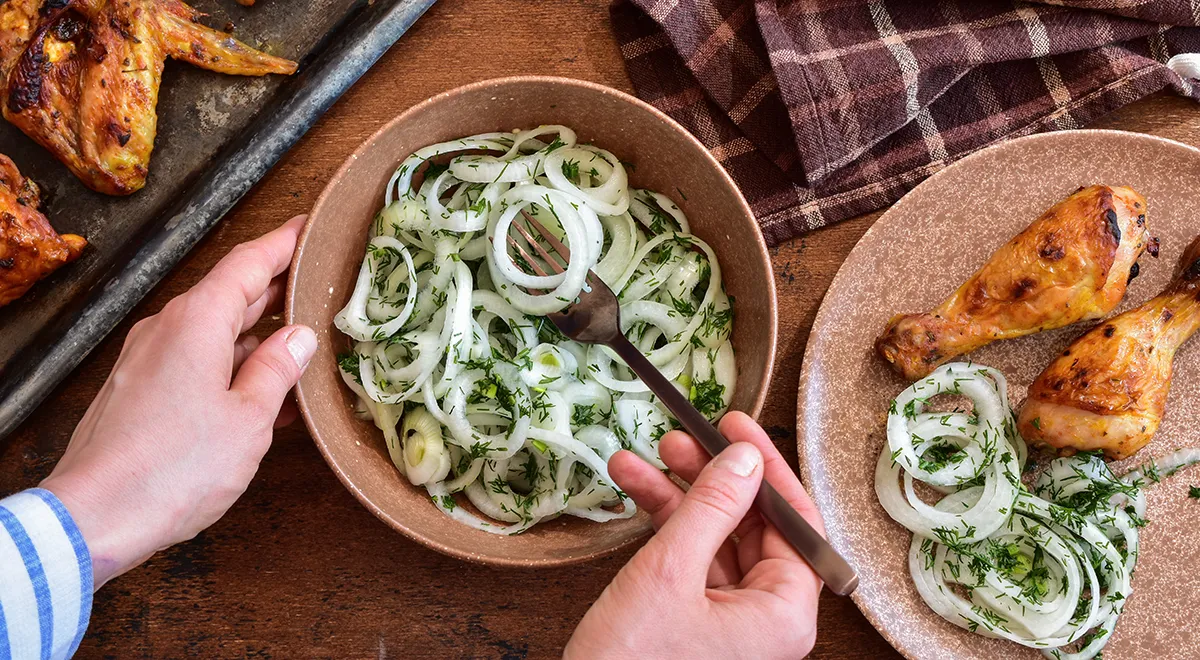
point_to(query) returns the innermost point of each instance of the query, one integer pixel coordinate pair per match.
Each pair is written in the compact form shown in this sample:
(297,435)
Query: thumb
(275,366)
(711,510)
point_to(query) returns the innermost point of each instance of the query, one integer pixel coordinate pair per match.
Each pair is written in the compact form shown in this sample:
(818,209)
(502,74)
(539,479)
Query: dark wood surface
(298,568)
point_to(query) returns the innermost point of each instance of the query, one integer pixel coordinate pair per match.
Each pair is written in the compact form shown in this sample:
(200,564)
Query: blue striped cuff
(45,578)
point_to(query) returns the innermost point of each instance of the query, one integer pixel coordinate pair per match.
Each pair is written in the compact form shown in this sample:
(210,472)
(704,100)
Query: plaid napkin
(822,110)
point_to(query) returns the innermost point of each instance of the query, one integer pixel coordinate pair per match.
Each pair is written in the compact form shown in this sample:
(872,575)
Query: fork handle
(825,561)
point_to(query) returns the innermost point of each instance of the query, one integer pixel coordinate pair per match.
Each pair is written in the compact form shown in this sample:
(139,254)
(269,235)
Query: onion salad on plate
(479,397)
(1047,565)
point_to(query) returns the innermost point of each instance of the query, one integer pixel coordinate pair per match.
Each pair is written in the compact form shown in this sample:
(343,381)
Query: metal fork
(595,319)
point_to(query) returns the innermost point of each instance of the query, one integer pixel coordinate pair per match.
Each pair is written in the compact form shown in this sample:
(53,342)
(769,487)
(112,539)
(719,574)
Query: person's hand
(714,581)
(178,429)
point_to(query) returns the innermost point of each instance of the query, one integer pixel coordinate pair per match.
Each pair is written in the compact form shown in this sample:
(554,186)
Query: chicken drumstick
(1072,264)
(1108,389)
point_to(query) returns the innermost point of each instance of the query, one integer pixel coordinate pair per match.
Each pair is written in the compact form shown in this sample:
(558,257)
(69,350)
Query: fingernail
(302,344)
(740,458)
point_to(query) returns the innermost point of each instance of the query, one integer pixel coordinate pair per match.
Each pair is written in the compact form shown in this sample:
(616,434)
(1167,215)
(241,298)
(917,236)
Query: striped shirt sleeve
(45,578)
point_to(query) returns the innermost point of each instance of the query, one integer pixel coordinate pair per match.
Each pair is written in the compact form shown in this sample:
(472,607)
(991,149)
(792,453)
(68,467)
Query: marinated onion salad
(476,392)
(1047,566)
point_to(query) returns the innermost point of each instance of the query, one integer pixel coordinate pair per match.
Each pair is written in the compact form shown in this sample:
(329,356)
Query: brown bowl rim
(289,315)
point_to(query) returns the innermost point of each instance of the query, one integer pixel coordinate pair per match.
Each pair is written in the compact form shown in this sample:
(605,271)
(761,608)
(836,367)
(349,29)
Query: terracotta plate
(667,159)
(914,256)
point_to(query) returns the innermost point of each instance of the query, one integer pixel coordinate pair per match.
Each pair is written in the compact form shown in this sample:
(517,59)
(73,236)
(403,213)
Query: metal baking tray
(217,136)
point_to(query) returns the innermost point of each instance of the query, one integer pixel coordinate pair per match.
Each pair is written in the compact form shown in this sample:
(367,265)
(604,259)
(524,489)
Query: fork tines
(545,233)
(550,261)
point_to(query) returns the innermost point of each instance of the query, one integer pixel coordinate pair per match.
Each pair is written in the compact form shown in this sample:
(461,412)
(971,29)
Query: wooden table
(298,568)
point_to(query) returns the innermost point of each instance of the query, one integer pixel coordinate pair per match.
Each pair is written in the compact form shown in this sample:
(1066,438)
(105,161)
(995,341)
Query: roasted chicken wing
(1108,389)
(82,76)
(1072,264)
(30,249)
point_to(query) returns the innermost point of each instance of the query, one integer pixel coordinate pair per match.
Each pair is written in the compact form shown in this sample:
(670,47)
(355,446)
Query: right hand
(716,581)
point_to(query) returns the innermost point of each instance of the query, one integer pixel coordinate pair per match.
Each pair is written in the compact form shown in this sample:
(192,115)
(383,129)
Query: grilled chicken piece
(1109,388)
(82,76)
(1072,264)
(30,249)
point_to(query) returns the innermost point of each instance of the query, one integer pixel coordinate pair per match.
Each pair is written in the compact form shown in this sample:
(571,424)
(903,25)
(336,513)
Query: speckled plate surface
(917,254)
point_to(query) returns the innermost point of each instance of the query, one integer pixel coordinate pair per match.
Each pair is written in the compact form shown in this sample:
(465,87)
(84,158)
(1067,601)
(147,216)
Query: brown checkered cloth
(825,109)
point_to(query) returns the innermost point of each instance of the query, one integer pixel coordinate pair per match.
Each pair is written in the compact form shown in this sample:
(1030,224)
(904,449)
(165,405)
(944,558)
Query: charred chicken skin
(1072,264)
(1109,388)
(81,77)
(30,249)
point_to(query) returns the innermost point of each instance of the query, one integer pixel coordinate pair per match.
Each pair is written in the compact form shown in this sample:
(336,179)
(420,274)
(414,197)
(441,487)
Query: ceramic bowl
(665,157)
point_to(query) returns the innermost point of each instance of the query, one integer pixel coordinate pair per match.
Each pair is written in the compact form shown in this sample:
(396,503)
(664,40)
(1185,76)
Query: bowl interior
(664,157)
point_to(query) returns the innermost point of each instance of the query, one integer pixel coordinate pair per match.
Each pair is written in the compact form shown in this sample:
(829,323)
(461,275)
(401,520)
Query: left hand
(178,429)
(716,581)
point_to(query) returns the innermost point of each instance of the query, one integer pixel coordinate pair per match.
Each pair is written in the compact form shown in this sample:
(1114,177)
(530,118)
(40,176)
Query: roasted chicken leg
(82,77)
(1108,389)
(1072,264)
(30,249)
